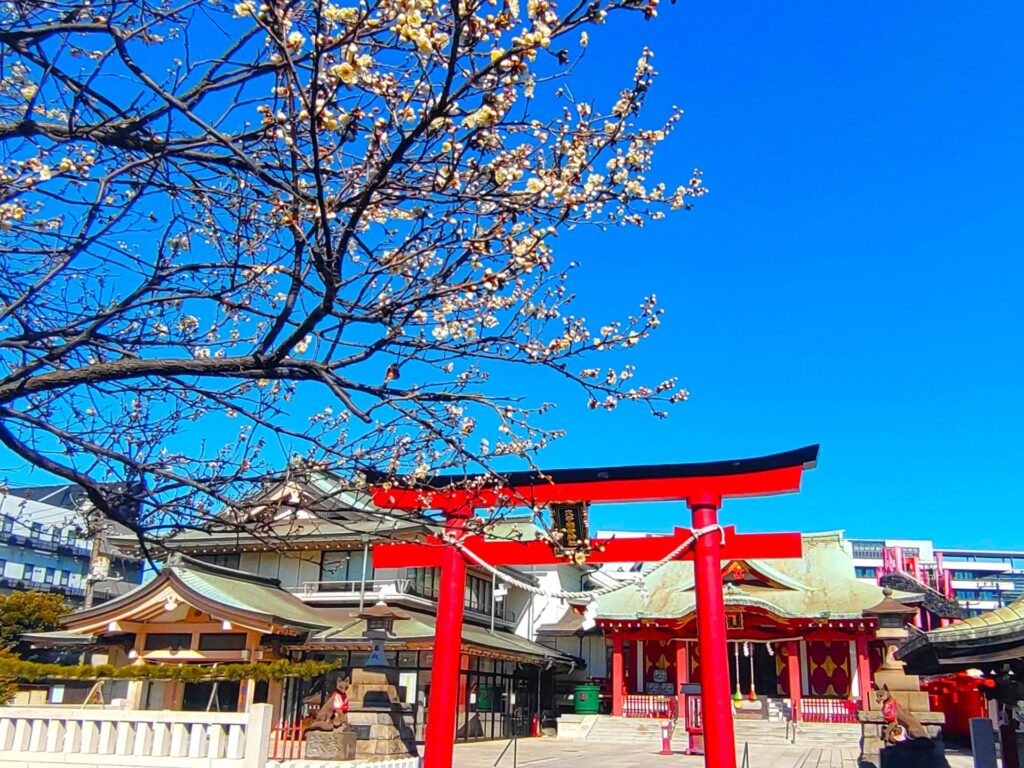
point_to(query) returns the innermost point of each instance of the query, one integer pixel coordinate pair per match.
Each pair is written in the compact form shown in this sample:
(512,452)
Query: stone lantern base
(383,724)
(339,744)
(913,753)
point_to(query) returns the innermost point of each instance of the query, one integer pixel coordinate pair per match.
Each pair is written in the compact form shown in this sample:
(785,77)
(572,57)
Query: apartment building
(44,547)
(978,579)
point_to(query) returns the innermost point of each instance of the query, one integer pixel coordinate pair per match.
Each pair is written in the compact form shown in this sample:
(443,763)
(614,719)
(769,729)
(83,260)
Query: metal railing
(354,587)
(649,705)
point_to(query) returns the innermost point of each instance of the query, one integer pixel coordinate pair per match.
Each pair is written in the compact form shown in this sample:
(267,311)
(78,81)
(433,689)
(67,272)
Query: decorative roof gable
(757,573)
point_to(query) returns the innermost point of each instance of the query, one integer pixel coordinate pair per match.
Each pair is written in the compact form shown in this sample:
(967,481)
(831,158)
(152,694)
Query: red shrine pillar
(444,692)
(682,676)
(617,675)
(863,671)
(719,744)
(793,671)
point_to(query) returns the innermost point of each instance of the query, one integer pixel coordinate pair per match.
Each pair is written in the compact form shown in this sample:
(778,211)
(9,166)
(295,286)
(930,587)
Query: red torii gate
(702,486)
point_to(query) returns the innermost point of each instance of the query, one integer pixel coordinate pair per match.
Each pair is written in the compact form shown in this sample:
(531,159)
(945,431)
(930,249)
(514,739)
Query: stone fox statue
(899,723)
(334,712)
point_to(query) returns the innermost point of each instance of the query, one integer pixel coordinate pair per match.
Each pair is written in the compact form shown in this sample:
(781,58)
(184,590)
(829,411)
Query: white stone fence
(59,737)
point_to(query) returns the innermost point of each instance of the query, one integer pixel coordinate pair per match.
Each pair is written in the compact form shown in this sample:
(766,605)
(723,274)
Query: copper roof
(820,585)
(981,641)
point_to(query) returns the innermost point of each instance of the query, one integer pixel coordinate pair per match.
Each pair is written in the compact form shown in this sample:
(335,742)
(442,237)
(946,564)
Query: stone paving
(535,753)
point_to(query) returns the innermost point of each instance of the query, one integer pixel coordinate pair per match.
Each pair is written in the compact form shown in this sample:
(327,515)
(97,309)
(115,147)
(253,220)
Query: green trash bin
(485,698)
(587,699)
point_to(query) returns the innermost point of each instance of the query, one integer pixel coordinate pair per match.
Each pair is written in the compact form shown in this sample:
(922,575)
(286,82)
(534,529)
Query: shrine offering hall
(796,631)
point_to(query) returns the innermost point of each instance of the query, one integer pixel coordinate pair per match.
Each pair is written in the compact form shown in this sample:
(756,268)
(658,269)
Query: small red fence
(286,741)
(828,711)
(645,705)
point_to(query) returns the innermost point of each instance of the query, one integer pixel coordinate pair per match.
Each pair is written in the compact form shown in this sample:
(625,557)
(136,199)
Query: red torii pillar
(701,486)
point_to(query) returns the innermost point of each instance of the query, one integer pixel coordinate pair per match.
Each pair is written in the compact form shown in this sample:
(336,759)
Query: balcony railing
(74,547)
(382,589)
(376,587)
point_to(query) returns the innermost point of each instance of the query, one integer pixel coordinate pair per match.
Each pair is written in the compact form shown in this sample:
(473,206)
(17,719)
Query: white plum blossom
(257,238)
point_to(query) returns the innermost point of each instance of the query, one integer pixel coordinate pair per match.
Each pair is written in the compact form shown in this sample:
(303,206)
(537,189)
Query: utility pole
(99,566)
(90,578)
(362,578)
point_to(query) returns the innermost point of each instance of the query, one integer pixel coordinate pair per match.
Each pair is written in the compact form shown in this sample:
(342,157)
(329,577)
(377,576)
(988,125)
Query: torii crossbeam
(701,486)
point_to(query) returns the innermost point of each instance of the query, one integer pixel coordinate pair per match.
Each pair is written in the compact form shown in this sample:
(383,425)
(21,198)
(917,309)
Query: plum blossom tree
(303,233)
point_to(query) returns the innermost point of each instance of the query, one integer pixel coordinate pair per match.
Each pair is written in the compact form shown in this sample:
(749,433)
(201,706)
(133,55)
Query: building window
(6,525)
(48,576)
(478,594)
(864,572)
(344,565)
(865,550)
(224,560)
(168,641)
(42,533)
(965,575)
(234,641)
(423,581)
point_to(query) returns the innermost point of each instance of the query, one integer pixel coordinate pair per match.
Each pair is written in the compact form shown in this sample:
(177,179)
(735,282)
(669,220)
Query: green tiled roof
(1004,620)
(983,641)
(252,595)
(255,595)
(57,639)
(821,584)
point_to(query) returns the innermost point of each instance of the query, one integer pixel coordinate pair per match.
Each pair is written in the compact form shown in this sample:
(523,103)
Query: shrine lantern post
(702,487)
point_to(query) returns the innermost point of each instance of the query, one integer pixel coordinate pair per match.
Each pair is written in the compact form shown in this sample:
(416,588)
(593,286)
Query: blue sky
(853,278)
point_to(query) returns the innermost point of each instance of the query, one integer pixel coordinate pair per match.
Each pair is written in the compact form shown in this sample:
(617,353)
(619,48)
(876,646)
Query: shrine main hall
(800,632)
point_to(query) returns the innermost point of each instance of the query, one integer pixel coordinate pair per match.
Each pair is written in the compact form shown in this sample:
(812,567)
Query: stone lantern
(383,724)
(380,627)
(904,732)
(893,618)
